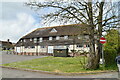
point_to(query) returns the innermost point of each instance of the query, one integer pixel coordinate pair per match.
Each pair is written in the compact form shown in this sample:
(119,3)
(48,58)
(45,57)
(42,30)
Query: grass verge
(53,64)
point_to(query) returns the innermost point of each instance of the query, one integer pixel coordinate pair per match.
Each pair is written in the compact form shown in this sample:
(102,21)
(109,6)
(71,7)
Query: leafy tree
(96,14)
(111,47)
(112,39)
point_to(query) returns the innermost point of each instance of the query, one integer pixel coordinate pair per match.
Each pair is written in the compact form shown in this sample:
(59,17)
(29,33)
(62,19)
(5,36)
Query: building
(6,45)
(46,40)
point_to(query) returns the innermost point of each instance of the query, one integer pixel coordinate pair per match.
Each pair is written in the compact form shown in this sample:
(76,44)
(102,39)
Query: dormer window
(50,38)
(37,33)
(57,37)
(65,37)
(24,40)
(30,39)
(53,30)
(21,40)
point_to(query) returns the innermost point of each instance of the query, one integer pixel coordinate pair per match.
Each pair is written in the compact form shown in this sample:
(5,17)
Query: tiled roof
(74,29)
(61,30)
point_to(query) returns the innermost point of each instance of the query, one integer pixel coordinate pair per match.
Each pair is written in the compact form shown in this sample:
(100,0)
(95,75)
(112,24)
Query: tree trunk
(93,57)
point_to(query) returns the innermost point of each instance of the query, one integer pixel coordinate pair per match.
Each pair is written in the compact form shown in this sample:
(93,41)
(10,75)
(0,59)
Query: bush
(110,55)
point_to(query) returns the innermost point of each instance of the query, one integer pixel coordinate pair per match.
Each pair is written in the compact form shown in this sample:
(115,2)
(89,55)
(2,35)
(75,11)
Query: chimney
(8,40)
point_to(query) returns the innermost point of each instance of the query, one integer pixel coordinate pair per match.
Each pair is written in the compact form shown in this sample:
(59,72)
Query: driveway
(8,58)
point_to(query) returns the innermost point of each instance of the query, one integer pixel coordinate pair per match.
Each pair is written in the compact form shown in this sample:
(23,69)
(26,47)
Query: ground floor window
(79,46)
(29,47)
(42,46)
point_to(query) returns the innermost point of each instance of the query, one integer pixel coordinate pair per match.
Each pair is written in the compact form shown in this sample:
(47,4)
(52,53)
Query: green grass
(53,64)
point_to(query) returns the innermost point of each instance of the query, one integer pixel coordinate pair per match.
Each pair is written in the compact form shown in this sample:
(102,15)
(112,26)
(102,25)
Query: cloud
(16,28)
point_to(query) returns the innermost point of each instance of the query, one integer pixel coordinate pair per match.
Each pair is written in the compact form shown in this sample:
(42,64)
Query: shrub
(110,55)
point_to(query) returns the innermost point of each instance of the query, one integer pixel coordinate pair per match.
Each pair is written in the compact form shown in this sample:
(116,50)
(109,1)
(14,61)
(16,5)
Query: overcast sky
(17,20)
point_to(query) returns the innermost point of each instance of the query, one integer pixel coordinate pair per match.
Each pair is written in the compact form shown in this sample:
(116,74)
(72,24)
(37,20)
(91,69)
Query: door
(50,49)
(18,49)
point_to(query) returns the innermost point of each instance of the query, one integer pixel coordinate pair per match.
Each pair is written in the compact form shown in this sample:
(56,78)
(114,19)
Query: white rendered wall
(42,50)
(78,48)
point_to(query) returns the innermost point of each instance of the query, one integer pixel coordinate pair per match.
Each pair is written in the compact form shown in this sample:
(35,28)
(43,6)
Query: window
(42,46)
(21,40)
(80,37)
(24,40)
(50,38)
(53,30)
(32,46)
(40,39)
(65,37)
(35,40)
(86,36)
(37,33)
(87,45)
(30,39)
(79,46)
(27,46)
(57,37)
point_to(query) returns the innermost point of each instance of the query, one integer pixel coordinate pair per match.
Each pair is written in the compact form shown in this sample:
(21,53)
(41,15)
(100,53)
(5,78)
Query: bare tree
(95,14)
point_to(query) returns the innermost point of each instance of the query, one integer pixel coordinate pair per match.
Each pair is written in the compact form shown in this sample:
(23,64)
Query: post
(37,49)
(103,55)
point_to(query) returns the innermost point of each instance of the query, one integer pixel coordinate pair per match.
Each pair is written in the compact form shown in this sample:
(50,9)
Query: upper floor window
(65,37)
(40,39)
(57,37)
(35,40)
(30,39)
(86,36)
(50,38)
(24,40)
(21,40)
(80,37)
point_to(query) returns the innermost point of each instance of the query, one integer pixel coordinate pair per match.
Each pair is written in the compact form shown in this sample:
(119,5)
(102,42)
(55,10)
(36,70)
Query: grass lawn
(53,64)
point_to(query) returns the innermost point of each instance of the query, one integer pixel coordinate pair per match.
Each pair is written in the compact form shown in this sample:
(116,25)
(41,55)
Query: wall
(78,48)
(36,49)
(45,49)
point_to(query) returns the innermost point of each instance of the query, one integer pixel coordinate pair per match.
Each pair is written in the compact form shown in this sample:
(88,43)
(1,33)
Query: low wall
(33,54)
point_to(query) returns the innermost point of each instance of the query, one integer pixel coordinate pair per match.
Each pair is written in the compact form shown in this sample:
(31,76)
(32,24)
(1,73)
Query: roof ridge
(52,27)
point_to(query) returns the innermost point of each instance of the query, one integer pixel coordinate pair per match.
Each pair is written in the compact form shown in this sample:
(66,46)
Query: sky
(18,20)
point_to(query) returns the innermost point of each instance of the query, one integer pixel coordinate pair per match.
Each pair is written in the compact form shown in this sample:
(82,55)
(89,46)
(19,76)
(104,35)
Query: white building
(45,40)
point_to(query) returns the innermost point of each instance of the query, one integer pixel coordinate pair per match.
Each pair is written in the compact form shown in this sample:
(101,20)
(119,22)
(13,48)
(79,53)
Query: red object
(102,40)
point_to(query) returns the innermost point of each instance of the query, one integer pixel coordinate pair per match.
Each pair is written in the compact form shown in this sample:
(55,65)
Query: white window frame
(21,40)
(40,39)
(65,37)
(24,40)
(50,38)
(35,40)
(30,39)
(57,37)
